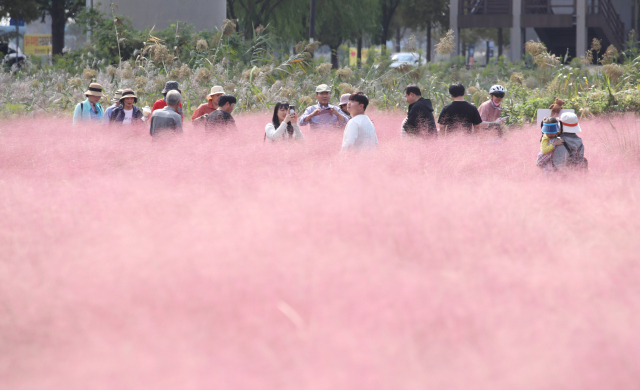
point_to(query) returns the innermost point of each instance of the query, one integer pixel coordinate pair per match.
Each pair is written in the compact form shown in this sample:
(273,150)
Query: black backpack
(576,161)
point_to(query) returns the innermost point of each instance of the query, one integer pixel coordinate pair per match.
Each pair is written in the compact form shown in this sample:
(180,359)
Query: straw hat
(344,99)
(95,89)
(129,93)
(117,96)
(570,123)
(215,90)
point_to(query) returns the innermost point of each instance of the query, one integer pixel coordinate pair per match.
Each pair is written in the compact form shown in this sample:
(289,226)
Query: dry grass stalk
(446,44)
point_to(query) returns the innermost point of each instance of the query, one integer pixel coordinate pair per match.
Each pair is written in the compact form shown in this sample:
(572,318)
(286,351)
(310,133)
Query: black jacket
(420,118)
(117,115)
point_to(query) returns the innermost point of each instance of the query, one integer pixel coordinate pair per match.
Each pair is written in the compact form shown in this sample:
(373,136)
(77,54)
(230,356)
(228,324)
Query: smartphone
(292,110)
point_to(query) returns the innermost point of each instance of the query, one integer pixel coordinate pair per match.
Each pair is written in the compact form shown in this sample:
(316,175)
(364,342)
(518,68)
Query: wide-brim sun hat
(117,96)
(323,88)
(216,90)
(570,123)
(95,89)
(170,86)
(127,93)
(550,128)
(344,99)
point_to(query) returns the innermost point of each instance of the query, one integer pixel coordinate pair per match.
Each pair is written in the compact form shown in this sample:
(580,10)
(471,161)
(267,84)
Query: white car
(11,56)
(413,59)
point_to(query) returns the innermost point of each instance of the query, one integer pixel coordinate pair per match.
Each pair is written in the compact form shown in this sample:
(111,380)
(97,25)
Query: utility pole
(312,22)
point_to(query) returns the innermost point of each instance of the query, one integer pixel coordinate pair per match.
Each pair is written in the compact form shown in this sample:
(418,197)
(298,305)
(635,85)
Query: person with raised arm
(283,125)
(323,115)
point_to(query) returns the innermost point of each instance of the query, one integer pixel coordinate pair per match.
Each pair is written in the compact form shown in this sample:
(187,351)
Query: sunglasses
(498,94)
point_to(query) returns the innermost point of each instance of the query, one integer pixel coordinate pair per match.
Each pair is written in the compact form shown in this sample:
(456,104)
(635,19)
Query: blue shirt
(325,119)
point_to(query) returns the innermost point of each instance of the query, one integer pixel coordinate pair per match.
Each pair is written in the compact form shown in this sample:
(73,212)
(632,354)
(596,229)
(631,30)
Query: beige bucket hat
(117,96)
(95,89)
(216,90)
(129,93)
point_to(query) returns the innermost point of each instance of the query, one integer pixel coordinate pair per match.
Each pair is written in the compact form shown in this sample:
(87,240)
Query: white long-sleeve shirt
(360,133)
(281,132)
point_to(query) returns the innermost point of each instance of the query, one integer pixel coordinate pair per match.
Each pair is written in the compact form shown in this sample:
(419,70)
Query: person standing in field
(360,133)
(89,110)
(167,120)
(323,115)
(283,125)
(459,114)
(161,103)
(344,100)
(491,110)
(116,104)
(419,120)
(127,113)
(221,118)
(210,106)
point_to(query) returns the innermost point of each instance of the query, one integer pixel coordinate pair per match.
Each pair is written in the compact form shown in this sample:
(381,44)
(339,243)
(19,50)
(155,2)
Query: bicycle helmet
(497,89)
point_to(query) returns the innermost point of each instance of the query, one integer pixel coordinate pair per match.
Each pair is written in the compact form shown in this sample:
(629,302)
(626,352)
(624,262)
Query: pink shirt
(488,112)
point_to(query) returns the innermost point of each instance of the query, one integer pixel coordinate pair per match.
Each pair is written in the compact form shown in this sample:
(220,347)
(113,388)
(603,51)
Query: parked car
(10,55)
(413,59)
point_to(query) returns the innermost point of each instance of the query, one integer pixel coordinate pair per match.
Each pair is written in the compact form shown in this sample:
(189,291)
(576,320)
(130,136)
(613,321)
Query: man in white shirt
(360,133)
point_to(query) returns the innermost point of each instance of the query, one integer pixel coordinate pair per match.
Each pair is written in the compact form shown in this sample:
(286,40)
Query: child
(549,141)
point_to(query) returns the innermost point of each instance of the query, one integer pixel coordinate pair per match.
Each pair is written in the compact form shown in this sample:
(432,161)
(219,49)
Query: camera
(292,110)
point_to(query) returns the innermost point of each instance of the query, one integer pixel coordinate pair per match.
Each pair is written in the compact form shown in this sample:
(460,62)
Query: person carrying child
(548,143)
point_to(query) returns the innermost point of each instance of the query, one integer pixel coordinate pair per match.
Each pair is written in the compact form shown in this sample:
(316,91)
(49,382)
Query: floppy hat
(323,88)
(129,93)
(550,128)
(570,123)
(170,85)
(344,99)
(216,90)
(95,89)
(117,96)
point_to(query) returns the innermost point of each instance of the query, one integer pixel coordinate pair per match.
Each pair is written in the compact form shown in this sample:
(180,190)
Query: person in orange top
(161,103)
(207,108)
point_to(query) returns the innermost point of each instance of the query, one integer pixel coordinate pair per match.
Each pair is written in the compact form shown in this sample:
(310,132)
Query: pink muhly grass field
(229,263)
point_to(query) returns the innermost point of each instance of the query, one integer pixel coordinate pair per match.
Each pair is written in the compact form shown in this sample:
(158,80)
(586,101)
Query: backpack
(575,161)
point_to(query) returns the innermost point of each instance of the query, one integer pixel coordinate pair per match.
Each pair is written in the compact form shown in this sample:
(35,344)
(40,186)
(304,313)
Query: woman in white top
(284,125)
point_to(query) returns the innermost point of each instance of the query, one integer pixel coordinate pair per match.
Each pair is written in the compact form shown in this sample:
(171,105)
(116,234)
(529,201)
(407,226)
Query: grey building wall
(203,14)
(624,7)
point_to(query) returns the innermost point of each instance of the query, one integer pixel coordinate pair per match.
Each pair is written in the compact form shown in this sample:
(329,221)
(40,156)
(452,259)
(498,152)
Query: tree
(60,11)
(387,12)
(252,13)
(339,21)
(425,15)
(26,10)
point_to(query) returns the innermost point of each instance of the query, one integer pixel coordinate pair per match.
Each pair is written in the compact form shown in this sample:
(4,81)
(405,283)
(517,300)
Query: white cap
(570,123)
(323,88)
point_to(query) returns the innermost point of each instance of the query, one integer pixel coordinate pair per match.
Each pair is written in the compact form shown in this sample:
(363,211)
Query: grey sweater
(560,155)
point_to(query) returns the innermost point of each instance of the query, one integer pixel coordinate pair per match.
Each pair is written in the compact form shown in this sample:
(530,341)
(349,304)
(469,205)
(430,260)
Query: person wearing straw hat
(571,155)
(127,113)
(162,103)
(116,104)
(211,105)
(90,109)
